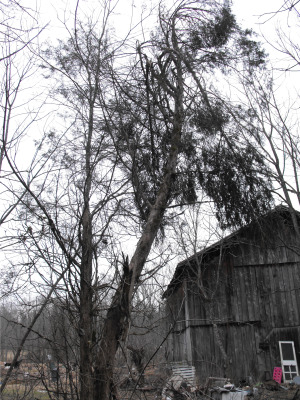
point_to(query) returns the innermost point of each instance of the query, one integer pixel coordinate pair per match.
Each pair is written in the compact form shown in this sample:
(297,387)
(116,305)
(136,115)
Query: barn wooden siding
(254,302)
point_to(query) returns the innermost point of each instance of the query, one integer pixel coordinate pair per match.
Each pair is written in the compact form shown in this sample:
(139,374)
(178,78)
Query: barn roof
(213,250)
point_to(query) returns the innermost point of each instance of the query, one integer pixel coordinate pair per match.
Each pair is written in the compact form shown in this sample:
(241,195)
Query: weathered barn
(235,306)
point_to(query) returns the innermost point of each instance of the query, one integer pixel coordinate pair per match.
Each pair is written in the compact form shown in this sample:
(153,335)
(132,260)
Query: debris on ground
(177,388)
(222,389)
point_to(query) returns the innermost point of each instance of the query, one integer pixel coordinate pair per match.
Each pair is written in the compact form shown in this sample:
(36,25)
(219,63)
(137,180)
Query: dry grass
(26,383)
(21,391)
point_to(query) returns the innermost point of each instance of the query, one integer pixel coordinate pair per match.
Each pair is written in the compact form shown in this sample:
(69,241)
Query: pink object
(277,374)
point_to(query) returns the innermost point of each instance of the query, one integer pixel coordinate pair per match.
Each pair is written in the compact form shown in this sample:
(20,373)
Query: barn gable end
(233,302)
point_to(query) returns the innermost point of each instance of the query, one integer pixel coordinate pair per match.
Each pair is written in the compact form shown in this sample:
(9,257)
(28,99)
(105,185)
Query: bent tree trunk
(113,330)
(116,322)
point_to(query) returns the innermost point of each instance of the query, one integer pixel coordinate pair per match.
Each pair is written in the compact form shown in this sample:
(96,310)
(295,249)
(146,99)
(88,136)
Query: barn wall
(274,243)
(254,301)
(251,307)
(239,363)
(269,294)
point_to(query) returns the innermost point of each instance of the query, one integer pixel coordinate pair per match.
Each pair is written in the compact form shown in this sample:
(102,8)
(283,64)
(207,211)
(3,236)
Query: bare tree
(275,128)
(286,44)
(67,227)
(18,30)
(136,141)
(19,27)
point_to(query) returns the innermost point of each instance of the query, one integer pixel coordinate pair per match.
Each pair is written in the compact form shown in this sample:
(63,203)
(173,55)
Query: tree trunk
(116,322)
(115,327)
(137,357)
(86,273)
(86,308)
